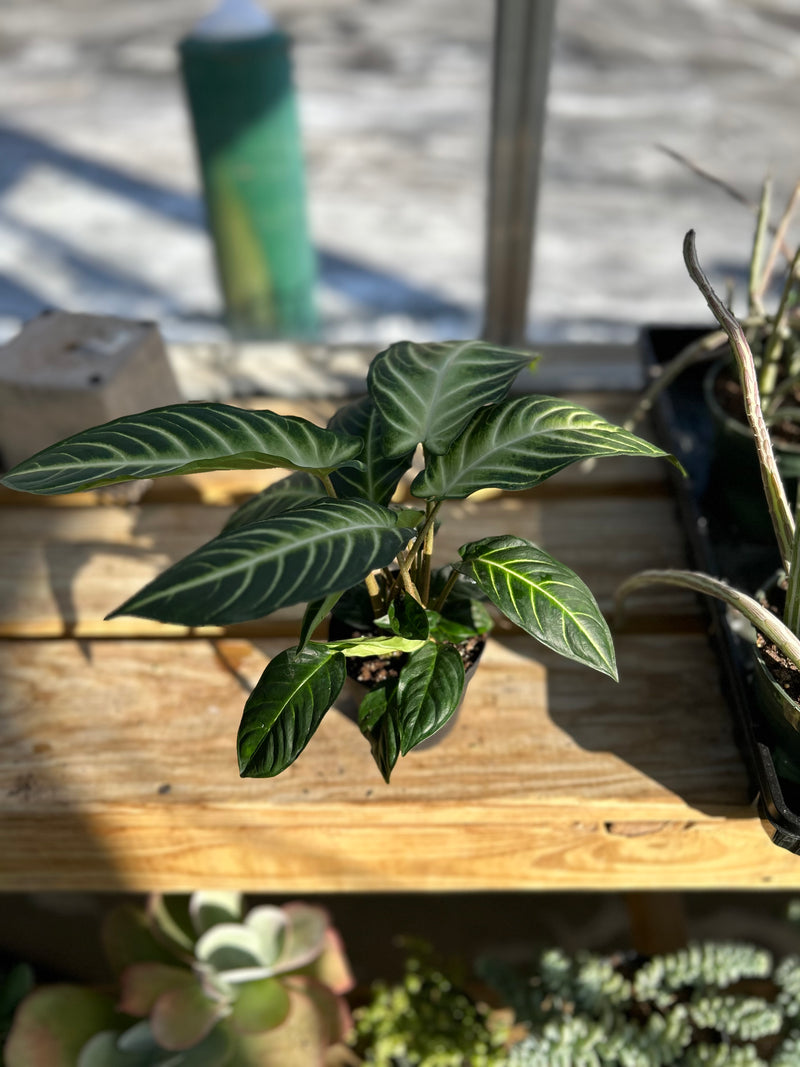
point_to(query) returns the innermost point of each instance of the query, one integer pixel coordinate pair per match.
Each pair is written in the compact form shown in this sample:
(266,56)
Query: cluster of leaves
(199,986)
(327,531)
(709,1005)
(428,1021)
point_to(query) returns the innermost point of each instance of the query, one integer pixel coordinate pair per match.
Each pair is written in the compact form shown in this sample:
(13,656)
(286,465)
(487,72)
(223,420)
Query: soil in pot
(777,687)
(370,672)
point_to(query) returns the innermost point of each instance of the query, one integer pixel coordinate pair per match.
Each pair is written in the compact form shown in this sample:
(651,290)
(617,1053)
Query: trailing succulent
(708,1005)
(329,535)
(199,986)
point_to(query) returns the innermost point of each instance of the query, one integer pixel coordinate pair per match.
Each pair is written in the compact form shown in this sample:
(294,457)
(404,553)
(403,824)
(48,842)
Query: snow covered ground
(99,203)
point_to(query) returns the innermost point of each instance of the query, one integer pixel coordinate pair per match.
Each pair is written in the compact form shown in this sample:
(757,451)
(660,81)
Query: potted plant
(774,339)
(775,614)
(201,984)
(329,535)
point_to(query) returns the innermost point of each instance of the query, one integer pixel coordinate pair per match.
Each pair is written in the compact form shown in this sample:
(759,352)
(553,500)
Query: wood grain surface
(117,740)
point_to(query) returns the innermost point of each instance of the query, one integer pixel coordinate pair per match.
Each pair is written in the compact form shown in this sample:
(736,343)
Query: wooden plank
(63,570)
(117,769)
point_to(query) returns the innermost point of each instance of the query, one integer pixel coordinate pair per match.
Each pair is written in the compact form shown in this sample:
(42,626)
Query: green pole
(244,115)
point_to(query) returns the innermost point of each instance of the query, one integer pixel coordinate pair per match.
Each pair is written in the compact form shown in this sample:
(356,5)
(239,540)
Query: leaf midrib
(564,609)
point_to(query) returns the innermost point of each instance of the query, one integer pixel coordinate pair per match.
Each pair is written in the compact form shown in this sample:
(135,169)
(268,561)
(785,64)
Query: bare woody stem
(779,510)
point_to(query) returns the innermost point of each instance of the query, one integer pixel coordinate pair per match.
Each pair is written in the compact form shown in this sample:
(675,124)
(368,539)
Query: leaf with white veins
(543,597)
(182,439)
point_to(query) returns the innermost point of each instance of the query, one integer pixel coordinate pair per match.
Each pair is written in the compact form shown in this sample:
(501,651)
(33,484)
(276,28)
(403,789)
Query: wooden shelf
(117,740)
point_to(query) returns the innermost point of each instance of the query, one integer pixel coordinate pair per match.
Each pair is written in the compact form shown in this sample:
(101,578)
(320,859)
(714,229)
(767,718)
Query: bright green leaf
(427,393)
(250,572)
(182,439)
(381,472)
(542,597)
(428,692)
(286,707)
(364,647)
(520,443)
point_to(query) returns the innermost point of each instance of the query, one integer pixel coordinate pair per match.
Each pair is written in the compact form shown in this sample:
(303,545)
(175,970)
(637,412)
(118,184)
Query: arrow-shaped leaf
(520,443)
(182,439)
(286,707)
(428,692)
(543,597)
(294,491)
(381,472)
(428,392)
(249,572)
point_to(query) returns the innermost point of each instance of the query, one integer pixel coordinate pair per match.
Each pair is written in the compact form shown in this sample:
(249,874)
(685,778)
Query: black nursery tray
(718,547)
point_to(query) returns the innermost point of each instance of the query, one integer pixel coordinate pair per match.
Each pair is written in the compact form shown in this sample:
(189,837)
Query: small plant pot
(782,714)
(735,473)
(366,674)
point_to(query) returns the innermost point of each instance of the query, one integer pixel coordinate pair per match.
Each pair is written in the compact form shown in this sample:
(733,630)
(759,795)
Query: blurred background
(100,204)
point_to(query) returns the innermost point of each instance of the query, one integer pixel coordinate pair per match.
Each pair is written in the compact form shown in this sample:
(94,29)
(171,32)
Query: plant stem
(374,590)
(326,481)
(446,591)
(770,362)
(755,306)
(431,508)
(778,243)
(424,578)
(779,510)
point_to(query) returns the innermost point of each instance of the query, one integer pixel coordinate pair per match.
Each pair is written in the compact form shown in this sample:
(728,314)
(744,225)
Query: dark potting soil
(782,669)
(373,671)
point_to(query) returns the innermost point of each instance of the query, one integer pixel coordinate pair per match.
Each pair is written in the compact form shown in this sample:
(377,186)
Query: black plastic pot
(735,472)
(353,692)
(719,545)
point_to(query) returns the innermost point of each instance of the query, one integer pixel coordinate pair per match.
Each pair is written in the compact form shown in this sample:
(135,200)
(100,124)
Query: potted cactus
(332,535)
(200,984)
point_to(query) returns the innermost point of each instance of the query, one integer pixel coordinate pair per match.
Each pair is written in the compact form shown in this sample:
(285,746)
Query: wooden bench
(117,753)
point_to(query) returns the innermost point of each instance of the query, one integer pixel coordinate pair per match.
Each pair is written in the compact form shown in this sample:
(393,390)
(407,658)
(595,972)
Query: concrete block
(65,372)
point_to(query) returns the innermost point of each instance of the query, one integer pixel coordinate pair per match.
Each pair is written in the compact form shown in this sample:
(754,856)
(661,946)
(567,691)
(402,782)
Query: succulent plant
(200,985)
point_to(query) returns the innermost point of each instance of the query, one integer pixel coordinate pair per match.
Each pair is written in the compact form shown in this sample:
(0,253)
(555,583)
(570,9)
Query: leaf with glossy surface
(286,707)
(364,647)
(250,572)
(520,443)
(427,393)
(182,439)
(315,612)
(428,692)
(406,618)
(377,719)
(381,472)
(296,490)
(543,597)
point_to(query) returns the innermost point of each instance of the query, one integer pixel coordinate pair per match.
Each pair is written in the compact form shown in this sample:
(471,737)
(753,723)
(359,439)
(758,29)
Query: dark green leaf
(407,618)
(381,472)
(249,572)
(296,490)
(520,443)
(428,392)
(428,692)
(371,708)
(314,614)
(380,726)
(543,597)
(182,439)
(286,707)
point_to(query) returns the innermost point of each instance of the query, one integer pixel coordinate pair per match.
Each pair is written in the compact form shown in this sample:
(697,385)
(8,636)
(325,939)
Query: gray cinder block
(64,372)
